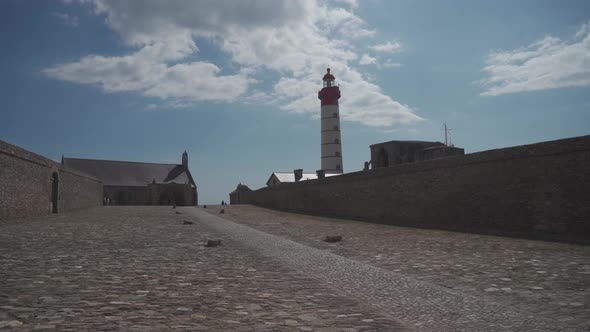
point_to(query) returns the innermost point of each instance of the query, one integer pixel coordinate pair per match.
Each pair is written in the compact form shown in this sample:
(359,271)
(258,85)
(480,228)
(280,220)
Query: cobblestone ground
(550,280)
(142,269)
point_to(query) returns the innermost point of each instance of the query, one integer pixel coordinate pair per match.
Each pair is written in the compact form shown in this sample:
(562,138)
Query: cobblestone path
(142,269)
(479,278)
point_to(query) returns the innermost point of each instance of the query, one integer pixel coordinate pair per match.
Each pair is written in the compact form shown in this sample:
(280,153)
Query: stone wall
(539,189)
(26,185)
(78,190)
(127,195)
(172,193)
(152,194)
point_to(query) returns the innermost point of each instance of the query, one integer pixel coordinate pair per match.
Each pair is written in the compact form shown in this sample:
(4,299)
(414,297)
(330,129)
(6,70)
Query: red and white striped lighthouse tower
(331,144)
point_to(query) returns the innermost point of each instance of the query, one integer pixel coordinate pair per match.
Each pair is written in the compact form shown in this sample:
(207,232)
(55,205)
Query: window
(334,115)
(335,127)
(337,166)
(336,141)
(337,153)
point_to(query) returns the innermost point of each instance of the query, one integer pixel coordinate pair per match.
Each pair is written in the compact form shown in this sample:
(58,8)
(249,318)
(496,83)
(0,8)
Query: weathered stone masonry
(27,185)
(139,183)
(541,188)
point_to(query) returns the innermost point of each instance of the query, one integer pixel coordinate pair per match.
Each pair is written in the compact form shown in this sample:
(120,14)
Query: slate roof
(441,147)
(129,173)
(290,177)
(241,187)
(410,142)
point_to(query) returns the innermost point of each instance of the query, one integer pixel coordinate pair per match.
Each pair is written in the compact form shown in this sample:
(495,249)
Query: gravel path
(416,303)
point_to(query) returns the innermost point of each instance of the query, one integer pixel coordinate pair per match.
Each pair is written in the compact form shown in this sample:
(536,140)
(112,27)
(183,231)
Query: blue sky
(235,82)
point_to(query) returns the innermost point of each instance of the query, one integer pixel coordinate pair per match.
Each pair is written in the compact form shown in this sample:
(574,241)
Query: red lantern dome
(328,76)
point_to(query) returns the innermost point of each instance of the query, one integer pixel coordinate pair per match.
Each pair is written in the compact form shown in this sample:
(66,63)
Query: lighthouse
(330,117)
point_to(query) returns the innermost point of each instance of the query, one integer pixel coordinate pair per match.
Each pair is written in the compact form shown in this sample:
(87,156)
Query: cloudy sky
(234,82)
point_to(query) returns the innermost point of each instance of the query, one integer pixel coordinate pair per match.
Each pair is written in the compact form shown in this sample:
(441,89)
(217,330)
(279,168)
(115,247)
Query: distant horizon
(235,83)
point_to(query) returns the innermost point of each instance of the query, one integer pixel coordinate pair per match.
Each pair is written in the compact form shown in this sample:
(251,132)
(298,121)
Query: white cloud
(342,21)
(350,3)
(66,19)
(258,97)
(191,80)
(367,60)
(370,107)
(296,38)
(391,64)
(548,63)
(583,30)
(388,47)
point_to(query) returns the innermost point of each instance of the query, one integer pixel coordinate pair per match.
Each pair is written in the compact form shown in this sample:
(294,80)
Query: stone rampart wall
(77,190)
(538,189)
(26,185)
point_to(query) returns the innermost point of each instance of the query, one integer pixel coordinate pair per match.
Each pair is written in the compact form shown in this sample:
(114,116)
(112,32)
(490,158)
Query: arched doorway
(54,191)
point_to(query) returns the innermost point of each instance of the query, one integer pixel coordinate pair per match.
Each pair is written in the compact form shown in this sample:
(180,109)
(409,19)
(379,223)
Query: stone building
(136,183)
(237,196)
(437,152)
(400,152)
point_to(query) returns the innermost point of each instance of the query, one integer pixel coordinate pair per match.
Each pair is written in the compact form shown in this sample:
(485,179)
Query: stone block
(213,243)
(333,238)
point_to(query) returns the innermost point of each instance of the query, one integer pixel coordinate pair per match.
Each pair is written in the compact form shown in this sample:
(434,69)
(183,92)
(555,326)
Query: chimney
(298,174)
(185,160)
(321,173)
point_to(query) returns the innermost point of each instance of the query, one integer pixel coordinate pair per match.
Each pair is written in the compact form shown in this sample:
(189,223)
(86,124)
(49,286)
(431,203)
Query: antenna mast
(447,135)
